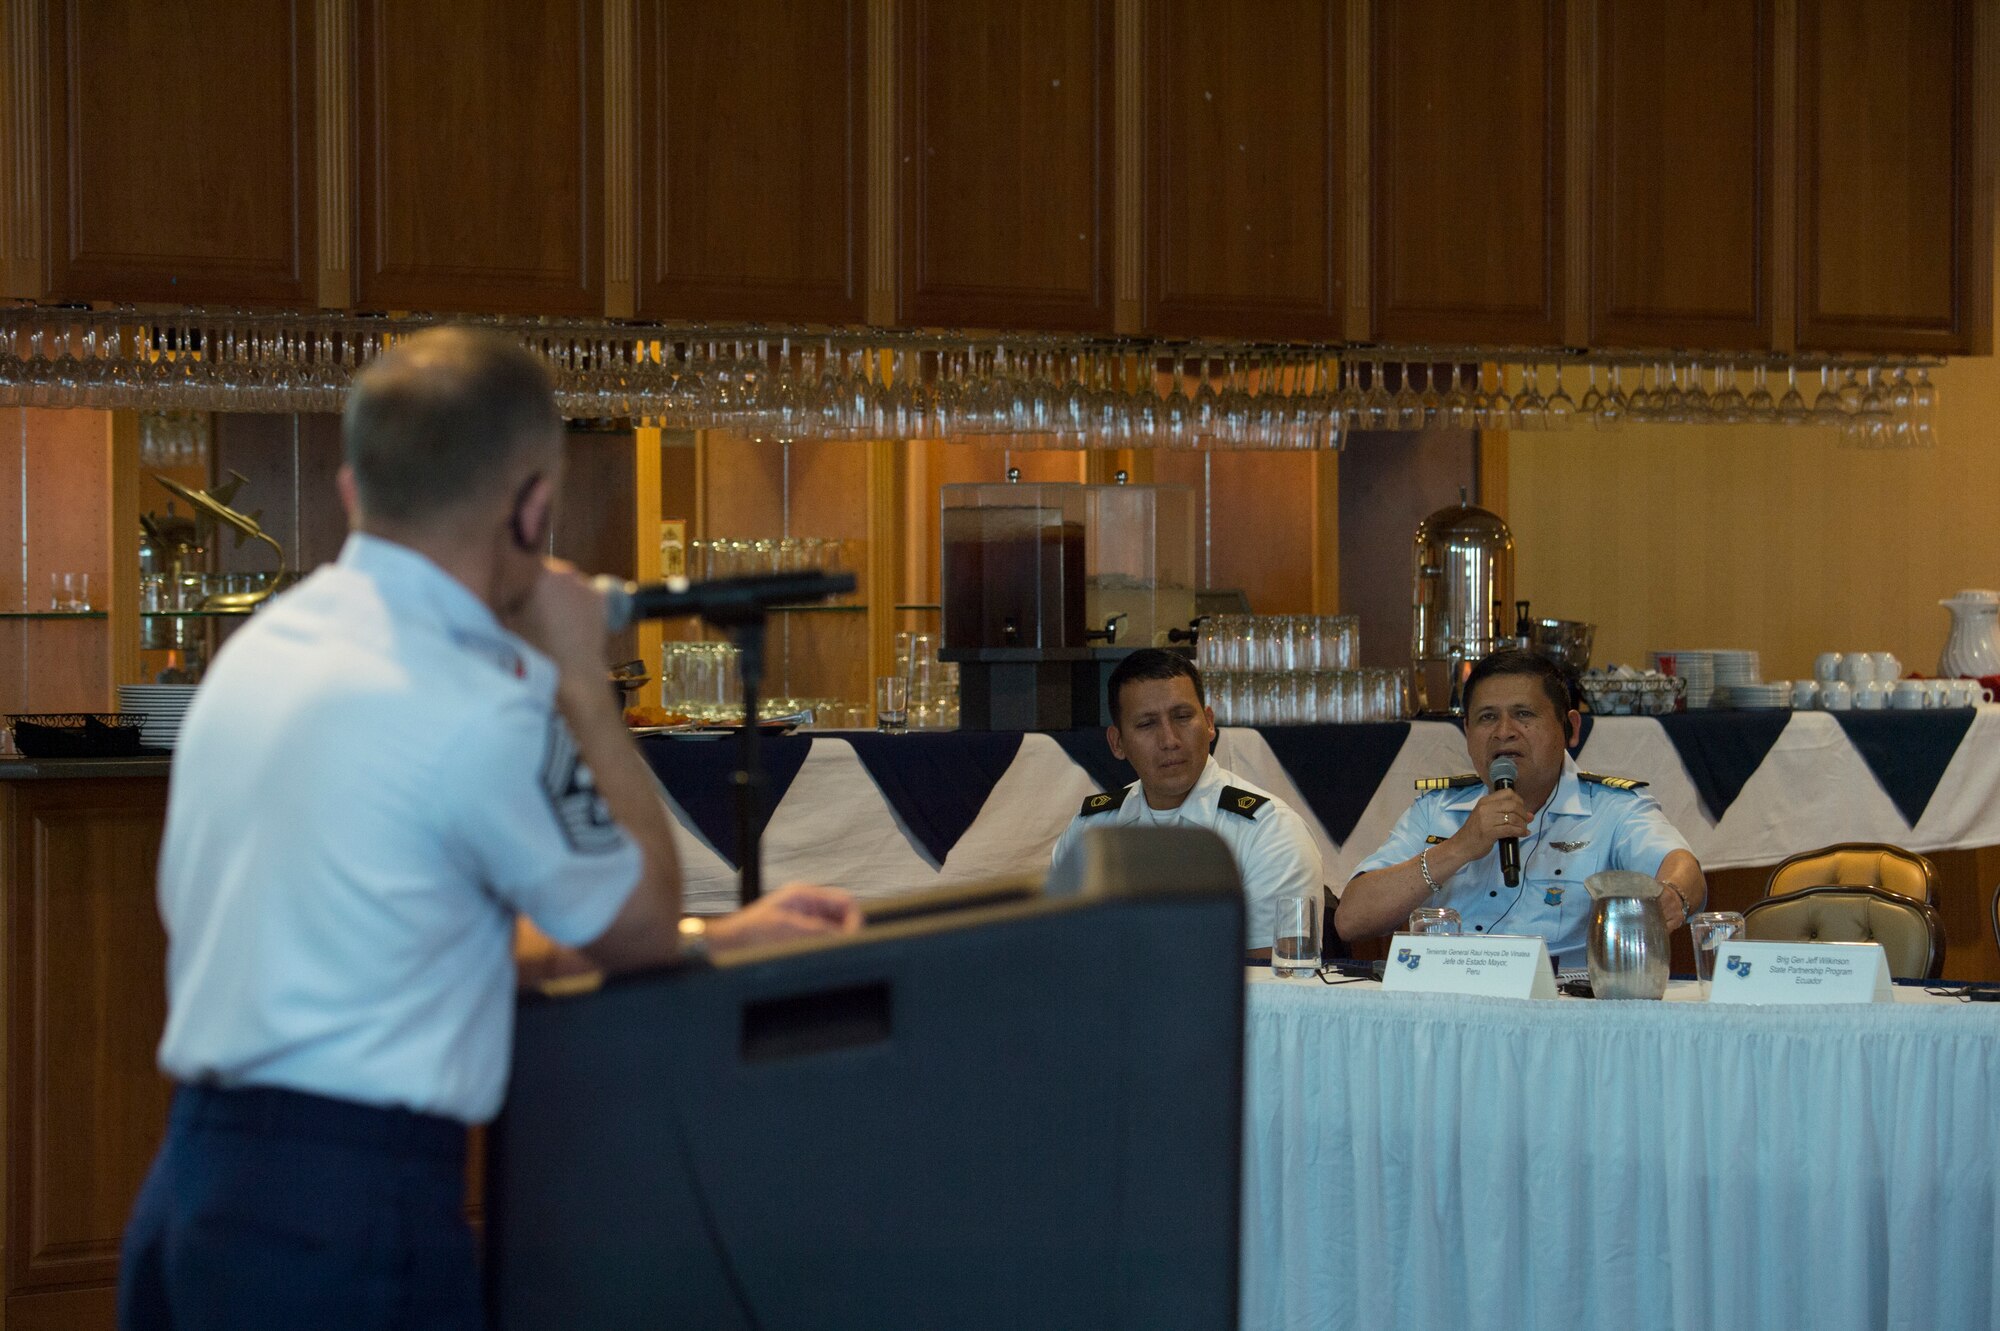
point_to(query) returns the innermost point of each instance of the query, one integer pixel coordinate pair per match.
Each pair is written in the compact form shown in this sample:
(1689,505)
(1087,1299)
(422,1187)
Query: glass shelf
(936,609)
(51,614)
(819,610)
(193,614)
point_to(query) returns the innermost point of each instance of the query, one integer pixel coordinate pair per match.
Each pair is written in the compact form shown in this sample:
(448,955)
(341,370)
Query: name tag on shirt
(1747,972)
(1497,966)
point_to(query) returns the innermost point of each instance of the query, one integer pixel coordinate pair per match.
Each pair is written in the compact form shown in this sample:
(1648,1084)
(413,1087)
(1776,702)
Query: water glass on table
(1295,936)
(1436,920)
(892,704)
(1711,929)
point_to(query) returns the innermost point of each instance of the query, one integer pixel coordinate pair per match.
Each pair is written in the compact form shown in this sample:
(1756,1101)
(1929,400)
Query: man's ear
(535,511)
(1575,729)
(1117,749)
(350,495)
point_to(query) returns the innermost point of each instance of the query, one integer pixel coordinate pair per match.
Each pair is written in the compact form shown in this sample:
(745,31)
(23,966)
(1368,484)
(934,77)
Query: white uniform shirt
(1585,826)
(371,783)
(1273,850)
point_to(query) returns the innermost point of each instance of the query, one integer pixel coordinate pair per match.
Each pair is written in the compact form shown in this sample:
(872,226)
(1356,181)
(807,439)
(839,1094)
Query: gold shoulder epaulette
(1614,782)
(1242,803)
(1428,783)
(1105,801)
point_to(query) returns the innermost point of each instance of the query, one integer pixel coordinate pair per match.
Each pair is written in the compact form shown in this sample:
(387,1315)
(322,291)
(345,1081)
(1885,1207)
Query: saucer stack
(1761,697)
(1737,672)
(1697,668)
(163,705)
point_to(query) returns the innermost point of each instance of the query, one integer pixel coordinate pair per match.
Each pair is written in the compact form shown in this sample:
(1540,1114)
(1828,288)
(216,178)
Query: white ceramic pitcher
(1974,646)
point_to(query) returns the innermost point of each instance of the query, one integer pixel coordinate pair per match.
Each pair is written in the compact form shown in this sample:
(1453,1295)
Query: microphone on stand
(1501,773)
(719,600)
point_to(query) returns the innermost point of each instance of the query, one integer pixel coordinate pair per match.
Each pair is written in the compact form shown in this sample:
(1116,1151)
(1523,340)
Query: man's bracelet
(1677,896)
(1424,868)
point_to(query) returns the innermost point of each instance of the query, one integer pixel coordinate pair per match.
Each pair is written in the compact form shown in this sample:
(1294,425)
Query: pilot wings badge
(1569,847)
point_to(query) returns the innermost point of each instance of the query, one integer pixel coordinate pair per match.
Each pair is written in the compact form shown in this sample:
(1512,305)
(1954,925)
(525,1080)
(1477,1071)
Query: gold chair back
(1858,864)
(1910,932)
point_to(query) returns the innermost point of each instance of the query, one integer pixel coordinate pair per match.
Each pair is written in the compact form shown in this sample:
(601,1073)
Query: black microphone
(1501,773)
(720,600)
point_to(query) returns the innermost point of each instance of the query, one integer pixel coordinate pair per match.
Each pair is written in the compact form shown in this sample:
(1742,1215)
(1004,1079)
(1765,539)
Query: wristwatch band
(1424,868)
(694,938)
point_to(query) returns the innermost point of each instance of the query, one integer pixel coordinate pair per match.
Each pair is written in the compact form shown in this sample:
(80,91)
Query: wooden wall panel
(1469,174)
(752,160)
(1682,190)
(54,501)
(1006,154)
(86,1002)
(1887,215)
(289,464)
(1245,131)
(181,159)
(1258,528)
(479,143)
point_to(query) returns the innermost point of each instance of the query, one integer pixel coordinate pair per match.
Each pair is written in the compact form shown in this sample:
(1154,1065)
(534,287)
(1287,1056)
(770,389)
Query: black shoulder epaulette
(1242,803)
(1615,782)
(1426,783)
(1104,801)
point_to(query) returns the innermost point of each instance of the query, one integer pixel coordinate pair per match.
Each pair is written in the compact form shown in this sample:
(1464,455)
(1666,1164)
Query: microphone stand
(746,626)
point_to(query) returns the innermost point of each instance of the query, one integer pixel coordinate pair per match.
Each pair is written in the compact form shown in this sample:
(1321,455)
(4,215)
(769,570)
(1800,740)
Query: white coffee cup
(1826,666)
(1969,693)
(1887,667)
(1805,694)
(1938,692)
(1909,695)
(1836,695)
(1857,667)
(1869,696)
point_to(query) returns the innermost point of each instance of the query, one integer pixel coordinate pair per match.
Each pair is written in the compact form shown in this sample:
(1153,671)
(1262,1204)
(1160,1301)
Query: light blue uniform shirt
(371,784)
(1584,827)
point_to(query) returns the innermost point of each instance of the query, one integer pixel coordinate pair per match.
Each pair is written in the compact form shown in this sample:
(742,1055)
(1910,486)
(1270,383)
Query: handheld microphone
(1502,773)
(720,600)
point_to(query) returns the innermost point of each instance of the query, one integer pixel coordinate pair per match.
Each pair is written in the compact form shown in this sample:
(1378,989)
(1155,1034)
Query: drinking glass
(892,704)
(1295,935)
(1441,920)
(1711,929)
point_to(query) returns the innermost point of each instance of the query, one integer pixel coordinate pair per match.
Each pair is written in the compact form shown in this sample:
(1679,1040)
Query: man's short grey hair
(439,419)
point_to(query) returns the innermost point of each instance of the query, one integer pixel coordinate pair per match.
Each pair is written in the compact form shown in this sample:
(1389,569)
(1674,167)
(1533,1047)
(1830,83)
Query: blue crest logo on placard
(1737,964)
(1414,959)
(1403,957)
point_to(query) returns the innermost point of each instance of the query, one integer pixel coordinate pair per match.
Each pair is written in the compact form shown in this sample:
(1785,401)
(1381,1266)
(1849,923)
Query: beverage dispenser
(1464,576)
(1139,561)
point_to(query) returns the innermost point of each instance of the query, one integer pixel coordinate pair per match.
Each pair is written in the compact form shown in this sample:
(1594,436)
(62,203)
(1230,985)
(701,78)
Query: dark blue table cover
(937,783)
(1907,751)
(700,775)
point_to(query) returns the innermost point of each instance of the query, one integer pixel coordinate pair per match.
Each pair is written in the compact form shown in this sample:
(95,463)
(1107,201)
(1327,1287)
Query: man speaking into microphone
(1509,845)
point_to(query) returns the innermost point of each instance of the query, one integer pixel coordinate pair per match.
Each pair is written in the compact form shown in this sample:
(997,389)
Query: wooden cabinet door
(1468,167)
(1682,196)
(479,139)
(1004,132)
(180,152)
(1244,123)
(1889,233)
(85,961)
(752,160)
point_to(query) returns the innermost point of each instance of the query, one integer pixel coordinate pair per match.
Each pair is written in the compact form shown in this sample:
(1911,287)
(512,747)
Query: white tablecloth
(834,826)
(1425,1161)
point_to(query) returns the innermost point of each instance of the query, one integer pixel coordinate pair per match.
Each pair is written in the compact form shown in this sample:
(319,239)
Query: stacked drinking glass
(1288,670)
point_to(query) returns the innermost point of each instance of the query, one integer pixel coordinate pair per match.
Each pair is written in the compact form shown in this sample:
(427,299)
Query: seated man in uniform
(1570,825)
(385,769)
(1163,727)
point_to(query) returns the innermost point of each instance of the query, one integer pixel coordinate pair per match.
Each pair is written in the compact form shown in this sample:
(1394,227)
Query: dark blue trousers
(269,1208)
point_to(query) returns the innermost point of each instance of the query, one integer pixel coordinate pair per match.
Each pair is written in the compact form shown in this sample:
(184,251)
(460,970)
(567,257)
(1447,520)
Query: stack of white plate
(1698,669)
(1735,670)
(1760,697)
(163,706)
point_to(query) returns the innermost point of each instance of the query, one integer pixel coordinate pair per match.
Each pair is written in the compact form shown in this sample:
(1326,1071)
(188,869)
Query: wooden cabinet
(1679,251)
(85,962)
(753,164)
(1895,246)
(1245,149)
(1005,147)
(179,161)
(479,141)
(1468,158)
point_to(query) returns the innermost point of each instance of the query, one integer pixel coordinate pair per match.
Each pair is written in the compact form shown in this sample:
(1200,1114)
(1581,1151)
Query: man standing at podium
(384,770)
(1161,724)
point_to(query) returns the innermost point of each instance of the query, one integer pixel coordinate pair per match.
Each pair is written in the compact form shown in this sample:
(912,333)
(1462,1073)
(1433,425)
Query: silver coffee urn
(1464,575)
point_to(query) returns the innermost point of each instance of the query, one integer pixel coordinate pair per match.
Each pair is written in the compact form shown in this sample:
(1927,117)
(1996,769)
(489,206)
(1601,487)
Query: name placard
(1765,972)
(1497,966)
